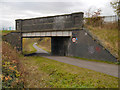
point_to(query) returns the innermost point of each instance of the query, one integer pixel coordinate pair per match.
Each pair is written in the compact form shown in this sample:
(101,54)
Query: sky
(10,10)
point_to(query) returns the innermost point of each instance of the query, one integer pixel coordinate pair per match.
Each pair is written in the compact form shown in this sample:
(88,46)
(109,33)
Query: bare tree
(116,5)
(90,12)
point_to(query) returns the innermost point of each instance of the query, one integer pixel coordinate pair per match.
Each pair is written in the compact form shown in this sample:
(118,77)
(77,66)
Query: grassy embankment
(11,75)
(4,32)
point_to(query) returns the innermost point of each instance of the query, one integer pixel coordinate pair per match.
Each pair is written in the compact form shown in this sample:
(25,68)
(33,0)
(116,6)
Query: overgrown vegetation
(11,76)
(94,21)
(116,7)
(28,46)
(4,32)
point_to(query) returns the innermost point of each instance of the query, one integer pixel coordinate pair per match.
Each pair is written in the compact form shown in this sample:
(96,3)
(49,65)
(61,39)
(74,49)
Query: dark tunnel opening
(55,46)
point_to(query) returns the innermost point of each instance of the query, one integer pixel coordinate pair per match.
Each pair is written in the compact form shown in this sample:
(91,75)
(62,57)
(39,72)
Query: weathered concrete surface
(85,47)
(88,47)
(59,45)
(109,69)
(14,38)
(59,22)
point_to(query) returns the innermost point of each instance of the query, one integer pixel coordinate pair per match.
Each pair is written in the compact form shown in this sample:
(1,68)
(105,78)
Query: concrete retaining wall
(14,38)
(87,47)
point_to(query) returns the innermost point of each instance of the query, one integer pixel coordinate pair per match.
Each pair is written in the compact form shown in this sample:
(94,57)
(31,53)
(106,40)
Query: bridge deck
(47,34)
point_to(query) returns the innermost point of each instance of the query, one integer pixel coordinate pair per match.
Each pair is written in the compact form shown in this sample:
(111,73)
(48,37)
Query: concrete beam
(47,34)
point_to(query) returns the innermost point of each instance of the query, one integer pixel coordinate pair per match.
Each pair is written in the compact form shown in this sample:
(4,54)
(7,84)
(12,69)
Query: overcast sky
(21,9)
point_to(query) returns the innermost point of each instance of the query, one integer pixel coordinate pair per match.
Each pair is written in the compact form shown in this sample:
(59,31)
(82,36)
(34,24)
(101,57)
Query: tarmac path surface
(39,50)
(109,69)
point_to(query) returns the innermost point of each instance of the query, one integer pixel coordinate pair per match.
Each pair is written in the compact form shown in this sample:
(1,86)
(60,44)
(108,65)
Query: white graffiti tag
(91,49)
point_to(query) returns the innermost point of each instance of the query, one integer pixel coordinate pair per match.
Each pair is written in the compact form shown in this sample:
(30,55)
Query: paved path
(109,69)
(39,50)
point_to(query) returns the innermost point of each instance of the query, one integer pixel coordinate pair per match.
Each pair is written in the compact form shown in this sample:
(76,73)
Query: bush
(94,21)
(10,75)
(110,25)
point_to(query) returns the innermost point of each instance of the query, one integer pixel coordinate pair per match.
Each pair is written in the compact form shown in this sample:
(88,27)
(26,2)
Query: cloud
(20,9)
(41,1)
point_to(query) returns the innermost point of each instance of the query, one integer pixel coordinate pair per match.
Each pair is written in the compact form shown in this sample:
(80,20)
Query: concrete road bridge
(68,37)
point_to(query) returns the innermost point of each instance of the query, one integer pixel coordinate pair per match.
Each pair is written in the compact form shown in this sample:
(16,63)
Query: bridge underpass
(59,40)
(36,46)
(68,37)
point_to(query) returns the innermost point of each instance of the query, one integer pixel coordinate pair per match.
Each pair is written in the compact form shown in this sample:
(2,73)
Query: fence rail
(110,18)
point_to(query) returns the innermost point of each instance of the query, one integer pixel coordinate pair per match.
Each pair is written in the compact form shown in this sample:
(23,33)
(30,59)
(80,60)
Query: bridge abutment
(79,44)
(15,39)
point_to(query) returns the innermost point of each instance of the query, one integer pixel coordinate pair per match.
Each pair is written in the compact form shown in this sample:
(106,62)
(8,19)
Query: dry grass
(28,45)
(11,75)
(4,32)
(108,36)
(8,53)
(110,25)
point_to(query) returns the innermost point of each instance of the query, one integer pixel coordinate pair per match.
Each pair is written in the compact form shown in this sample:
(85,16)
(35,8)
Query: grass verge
(30,49)
(47,73)
(94,60)
(4,32)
